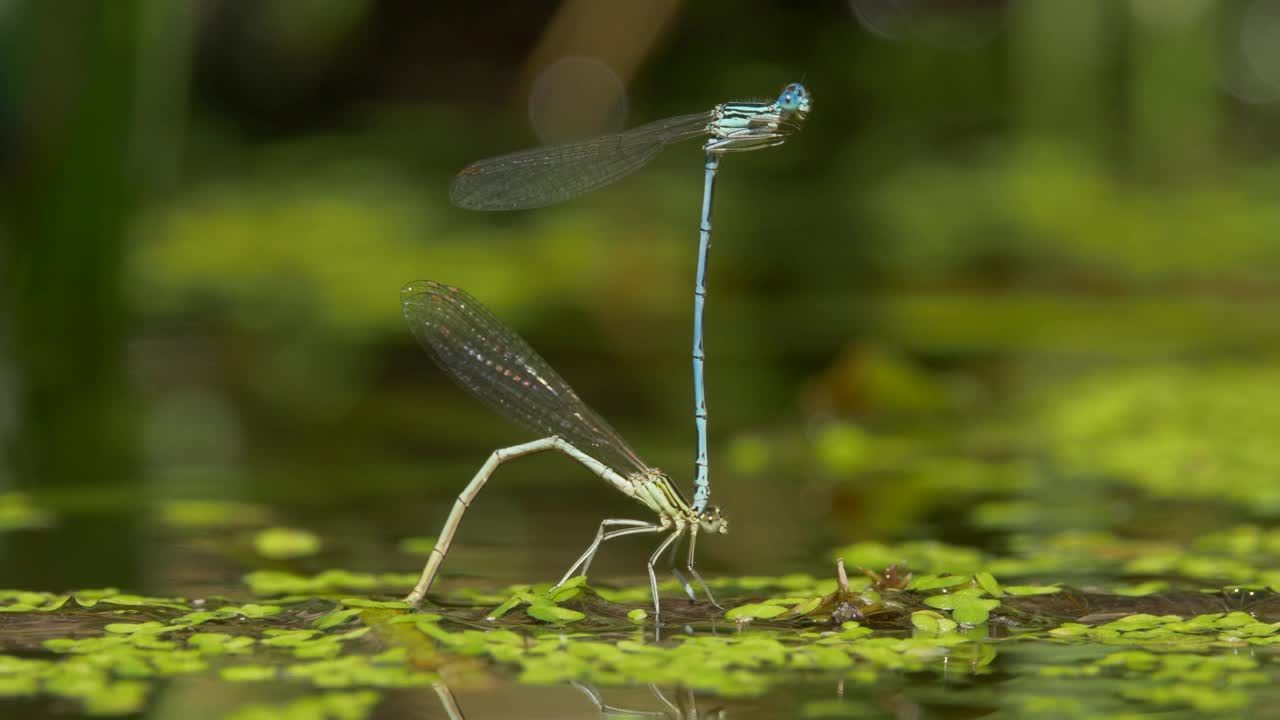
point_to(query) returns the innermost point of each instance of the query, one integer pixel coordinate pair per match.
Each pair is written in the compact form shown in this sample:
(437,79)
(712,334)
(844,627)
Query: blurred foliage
(1185,431)
(17,511)
(1046,211)
(283,543)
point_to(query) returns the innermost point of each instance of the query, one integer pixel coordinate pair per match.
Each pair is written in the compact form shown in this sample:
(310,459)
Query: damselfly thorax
(655,491)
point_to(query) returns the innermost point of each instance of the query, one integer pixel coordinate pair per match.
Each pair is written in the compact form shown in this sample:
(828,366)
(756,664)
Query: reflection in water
(447,701)
(685,707)
(681,703)
(685,710)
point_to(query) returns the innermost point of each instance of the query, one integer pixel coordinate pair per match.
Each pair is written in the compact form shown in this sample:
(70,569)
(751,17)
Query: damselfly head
(794,99)
(712,521)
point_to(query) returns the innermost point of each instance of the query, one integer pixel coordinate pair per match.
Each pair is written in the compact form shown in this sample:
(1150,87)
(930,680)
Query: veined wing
(548,175)
(490,361)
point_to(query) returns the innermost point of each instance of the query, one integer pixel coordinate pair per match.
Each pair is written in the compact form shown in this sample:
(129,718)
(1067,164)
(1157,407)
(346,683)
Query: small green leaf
(319,649)
(249,610)
(564,594)
(576,581)
(987,582)
(1032,589)
(384,604)
(151,627)
(932,622)
(936,582)
(287,638)
(1070,630)
(220,643)
(141,601)
(547,612)
(334,618)
(353,634)
(806,606)
(511,603)
(975,612)
(90,598)
(638,616)
(761,611)
(195,618)
(944,602)
(1141,621)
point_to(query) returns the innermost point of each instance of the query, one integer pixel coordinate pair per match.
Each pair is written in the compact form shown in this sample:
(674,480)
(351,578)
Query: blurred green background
(1022,258)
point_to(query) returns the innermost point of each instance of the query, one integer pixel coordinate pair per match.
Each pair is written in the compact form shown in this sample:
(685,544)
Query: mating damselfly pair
(495,364)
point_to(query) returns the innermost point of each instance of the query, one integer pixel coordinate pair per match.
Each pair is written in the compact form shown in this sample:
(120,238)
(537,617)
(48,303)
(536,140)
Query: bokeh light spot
(576,97)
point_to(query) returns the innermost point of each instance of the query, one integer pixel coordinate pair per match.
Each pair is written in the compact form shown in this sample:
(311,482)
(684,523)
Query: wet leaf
(932,622)
(384,604)
(1022,590)
(547,612)
(762,611)
(987,582)
(335,618)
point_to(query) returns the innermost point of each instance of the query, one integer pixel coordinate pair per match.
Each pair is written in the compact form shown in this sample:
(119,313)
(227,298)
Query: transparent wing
(490,361)
(548,175)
